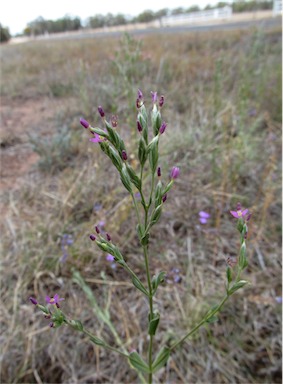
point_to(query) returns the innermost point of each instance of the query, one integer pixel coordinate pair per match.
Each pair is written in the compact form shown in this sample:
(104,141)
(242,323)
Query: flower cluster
(55,315)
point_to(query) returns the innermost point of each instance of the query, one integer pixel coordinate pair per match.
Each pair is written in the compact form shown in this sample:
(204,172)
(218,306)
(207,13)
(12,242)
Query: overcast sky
(15,14)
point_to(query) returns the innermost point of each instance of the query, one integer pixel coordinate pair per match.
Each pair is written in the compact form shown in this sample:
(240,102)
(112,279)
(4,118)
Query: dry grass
(223,108)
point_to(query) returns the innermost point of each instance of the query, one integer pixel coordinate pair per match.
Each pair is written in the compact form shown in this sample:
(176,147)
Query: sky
(16,14)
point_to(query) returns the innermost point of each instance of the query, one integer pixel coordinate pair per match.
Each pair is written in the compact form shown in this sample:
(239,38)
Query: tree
(4,34)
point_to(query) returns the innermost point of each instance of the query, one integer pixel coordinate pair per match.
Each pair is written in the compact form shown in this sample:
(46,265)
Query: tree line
(41,26)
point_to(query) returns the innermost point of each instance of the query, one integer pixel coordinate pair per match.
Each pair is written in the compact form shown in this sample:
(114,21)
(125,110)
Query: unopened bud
(108,237)
(164,197)
(33,300)
(175,172)
(84,123)
(162,128)
(139,126)
(161,101)
(97,229)
(114,121)
(159,172)
(124,155)
(101,112)
(92,237)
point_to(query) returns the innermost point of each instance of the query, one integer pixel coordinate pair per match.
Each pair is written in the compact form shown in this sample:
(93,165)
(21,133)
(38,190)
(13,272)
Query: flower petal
(244,212)
(235,214)
(204,214)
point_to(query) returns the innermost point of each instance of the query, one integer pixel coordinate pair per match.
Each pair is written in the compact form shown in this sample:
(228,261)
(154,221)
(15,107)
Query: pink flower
(175,172)
(54,300)
(96,138)
(239,213)
(203,217)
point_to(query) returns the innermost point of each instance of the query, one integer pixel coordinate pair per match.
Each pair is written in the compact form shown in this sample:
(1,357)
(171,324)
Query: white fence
(195,17)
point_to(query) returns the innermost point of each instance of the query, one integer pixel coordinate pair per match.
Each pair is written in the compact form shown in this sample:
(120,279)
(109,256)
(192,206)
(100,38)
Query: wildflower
(203,217)
(162,128)
(154,97)
(240,213)
(92,237)
(54,300)
(33,300)
(101,111)
(84,123)
(110,257)
(139,126)
(96,138)
(175,172)
(161,101)
(66,241)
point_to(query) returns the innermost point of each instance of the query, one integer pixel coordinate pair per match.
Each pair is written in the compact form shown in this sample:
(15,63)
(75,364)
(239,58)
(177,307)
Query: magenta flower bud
(175,172)
(139,126)
(164,197)
(51,325)
(84,123)
(108,237)
(154,97)
(238,208)
(97,229)
(161,101)
(158,171)
(92,237)
(124,155)
(101,112)
(162,128)
(33,300)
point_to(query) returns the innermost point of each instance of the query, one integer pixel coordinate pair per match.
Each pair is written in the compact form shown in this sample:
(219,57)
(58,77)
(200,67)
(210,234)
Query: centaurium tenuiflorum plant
(148,199)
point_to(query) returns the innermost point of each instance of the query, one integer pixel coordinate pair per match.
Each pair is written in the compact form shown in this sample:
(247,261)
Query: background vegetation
(223,108)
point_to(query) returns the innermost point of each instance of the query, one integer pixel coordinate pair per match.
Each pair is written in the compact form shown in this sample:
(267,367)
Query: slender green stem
(217,309)
(136,209)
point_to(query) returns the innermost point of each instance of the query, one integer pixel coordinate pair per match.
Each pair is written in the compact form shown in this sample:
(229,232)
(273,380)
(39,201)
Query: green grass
(223,108)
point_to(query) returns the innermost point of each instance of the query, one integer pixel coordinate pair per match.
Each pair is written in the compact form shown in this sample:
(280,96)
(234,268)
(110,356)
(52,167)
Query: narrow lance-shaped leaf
(138,363)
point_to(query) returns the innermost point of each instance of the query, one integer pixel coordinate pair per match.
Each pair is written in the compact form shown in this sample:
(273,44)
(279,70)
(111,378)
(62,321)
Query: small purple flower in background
(111,260)
(140,95)
(97,207)
(110,257)
(84,123)
(173,276)
(66,241)
(154,97)
(101,111)
(138,195)
(175,172)
(96,138)
(54,300)
(240,213)
(278,299)
(139,101)
(203,217)
(101,224)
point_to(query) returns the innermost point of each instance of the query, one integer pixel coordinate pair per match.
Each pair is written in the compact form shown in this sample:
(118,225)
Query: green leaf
(134,177)
(237,286)
(125,178)
(155,120)
(142,151)
(153,154)
(153,324)
(99,131)
(155,215)
(243,262)
(156,280)
(76,324)
(137,362)
(158,194)
(115,158)
(43,308)
(161,359)
(212,319)
(97,341)
(168,187)
(229,274)
(139,285)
